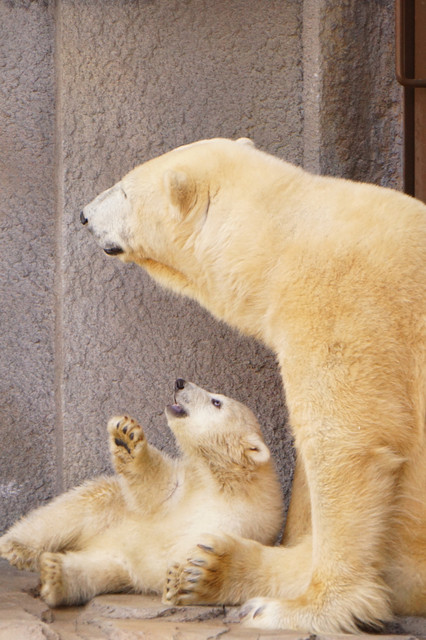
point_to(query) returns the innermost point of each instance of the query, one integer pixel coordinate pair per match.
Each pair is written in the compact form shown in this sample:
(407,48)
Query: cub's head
(218,427)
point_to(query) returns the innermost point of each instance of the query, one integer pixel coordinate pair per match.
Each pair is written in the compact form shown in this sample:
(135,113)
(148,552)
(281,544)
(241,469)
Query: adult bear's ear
(246,141)
(181,190)
(255,449)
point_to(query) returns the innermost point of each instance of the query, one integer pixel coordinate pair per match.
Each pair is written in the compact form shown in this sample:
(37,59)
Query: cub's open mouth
(176,410)
(113,251)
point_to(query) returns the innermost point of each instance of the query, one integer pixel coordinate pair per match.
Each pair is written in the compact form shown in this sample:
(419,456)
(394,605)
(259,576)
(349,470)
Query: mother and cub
(331,275)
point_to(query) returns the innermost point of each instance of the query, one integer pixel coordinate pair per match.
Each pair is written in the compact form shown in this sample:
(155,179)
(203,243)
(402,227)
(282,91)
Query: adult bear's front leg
(351,509)
(352,466)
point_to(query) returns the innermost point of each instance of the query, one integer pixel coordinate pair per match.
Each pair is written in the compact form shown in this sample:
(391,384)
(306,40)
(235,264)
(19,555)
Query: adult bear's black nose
(180,384)
(83,218)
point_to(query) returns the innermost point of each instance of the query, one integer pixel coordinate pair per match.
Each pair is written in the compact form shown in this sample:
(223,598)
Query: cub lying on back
(122,532)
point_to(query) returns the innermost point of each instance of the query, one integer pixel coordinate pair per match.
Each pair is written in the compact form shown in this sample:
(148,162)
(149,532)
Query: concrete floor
(23,616)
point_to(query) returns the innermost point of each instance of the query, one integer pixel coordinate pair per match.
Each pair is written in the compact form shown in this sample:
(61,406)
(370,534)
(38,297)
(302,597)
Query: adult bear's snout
(83,218)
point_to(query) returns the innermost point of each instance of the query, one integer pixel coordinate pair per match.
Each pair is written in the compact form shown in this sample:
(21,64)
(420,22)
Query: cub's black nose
(179,384)
(83,220)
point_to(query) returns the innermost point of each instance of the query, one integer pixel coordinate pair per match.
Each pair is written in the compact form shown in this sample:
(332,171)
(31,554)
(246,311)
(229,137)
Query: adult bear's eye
(216,403)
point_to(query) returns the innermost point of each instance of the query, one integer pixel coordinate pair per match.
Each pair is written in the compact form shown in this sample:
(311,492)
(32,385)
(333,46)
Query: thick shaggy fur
(331,274)
(123,532)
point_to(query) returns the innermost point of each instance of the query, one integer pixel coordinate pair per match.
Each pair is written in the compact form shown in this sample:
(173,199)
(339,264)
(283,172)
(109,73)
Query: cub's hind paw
(172,585)
(182,585)
(202,578)
(51,575)
(127,438)
(19,555)
(188,584)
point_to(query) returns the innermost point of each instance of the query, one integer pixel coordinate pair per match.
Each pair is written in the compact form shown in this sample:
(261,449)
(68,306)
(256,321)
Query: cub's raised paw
(202,579)
(18,554)
(127,438)
(52,586)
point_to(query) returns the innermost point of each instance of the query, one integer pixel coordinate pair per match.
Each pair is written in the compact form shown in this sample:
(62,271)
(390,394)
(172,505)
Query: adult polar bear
(331,274)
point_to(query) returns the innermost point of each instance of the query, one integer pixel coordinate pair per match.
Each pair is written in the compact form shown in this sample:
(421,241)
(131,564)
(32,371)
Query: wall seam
(312,82)
(59,284)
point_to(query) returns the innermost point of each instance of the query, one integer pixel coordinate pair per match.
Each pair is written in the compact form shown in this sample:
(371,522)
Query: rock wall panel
(28,453)
(138,80)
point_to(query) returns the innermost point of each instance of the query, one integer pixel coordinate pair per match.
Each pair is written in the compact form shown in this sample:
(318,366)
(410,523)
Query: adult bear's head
(161,206)
(203,221)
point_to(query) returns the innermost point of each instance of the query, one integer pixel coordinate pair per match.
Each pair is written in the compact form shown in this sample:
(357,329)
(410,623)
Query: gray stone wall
(88,90)
(30,422)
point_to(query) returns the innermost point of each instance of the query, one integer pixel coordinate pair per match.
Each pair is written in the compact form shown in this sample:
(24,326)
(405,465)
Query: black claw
(259,611)
(197,562)
(131,436)
(243,612)
(205,547)
(192,572)
(124,429)
(121,443)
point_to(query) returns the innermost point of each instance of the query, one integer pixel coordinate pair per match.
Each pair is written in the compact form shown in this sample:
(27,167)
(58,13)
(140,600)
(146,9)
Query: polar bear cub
(122,532)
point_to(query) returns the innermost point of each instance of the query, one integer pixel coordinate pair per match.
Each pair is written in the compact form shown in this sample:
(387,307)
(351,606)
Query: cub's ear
(180,189)
(255,449)
(246,141)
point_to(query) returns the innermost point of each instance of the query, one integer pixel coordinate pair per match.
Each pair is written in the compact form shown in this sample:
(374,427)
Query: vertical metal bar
(404,50)
(404,44)
(420,101)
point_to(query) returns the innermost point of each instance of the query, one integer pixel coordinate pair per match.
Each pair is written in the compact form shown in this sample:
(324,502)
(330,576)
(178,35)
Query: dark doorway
(411,73)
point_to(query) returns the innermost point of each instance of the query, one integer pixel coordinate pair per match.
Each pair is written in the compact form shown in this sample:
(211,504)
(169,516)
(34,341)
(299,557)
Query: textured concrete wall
(140,78)
(352,102)
(28,461)
(84,335)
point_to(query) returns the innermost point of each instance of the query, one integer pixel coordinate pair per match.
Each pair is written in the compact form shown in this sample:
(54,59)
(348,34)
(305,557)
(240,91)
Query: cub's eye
(216,403)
